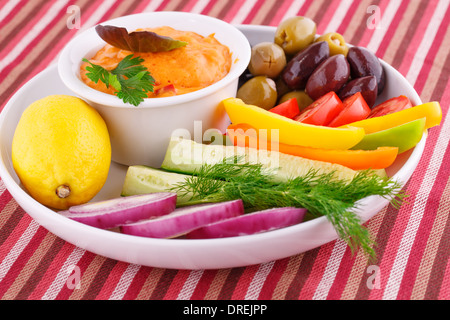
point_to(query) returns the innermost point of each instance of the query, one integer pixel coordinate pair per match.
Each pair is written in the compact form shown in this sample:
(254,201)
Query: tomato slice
(355,109)
(322,111)
(288,109)
(390,106)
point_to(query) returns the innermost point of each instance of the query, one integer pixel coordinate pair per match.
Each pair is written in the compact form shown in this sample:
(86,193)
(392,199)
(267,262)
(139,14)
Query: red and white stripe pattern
(413,242)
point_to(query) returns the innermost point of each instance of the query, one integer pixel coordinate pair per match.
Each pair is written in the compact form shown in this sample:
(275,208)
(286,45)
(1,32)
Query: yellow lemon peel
(61,151)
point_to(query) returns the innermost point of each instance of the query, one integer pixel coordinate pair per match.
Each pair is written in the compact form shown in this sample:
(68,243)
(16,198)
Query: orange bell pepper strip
(244,135)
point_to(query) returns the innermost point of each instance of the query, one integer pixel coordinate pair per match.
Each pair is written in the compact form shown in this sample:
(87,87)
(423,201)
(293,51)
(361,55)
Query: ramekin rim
(76,85)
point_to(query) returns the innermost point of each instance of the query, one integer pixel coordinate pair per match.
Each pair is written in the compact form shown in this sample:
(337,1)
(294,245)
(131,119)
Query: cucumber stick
(185,156)
(143,179)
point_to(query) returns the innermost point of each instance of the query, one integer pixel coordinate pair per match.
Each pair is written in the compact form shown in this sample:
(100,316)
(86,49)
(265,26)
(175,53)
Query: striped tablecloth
(413,242)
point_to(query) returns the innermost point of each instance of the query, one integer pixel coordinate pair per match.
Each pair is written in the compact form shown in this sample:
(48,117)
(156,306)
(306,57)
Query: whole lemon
(61,151)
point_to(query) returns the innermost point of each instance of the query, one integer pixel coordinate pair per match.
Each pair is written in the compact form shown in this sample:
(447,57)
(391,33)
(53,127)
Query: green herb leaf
(137,41)
(114,82)
(321,194)
(130,78)
(98,73)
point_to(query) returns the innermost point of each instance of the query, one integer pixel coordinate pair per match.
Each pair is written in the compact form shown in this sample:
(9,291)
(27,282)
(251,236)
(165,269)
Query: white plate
(178,253)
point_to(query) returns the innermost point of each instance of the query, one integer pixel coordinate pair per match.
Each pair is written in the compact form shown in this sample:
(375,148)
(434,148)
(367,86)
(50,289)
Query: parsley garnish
(130,78)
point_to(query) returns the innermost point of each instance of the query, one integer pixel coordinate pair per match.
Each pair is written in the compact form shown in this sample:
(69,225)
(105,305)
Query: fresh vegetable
(137,41)
(139,181)
(364,62)
(404,137)
(250,223)
(390,106)
(431,111)
(322,111)
(118,211)
(130,78)
(354,109)
(244,135)
(336,42)
(186,156)
(259,91)
(290,131)
(288,109)
(183,220)
(330,75)
(302,65)
(366,85)
(320,193)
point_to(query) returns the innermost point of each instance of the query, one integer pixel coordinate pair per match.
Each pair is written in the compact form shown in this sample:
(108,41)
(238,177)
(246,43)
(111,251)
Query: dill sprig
(321,194)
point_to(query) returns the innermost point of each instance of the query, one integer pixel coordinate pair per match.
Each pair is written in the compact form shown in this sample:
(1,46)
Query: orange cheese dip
(202,62)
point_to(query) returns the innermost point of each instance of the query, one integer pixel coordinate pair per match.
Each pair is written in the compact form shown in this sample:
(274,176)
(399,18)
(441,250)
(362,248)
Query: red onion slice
(184,219)
(250,223)
(116,212)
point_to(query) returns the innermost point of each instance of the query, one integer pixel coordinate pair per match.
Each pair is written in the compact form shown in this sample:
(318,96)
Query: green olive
(303,99)
(267,59)
(282,87)
(295,34)
(336,43)
(259,91)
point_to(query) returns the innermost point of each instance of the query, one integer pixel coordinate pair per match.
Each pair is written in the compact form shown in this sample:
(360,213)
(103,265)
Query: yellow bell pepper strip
(404,137)
(431,111)
(244,135)
(290,131)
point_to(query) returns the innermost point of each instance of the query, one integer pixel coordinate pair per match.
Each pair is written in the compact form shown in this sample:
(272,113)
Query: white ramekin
(140,135)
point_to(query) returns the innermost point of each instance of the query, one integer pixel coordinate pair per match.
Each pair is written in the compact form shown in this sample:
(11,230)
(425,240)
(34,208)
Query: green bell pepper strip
(404,137)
